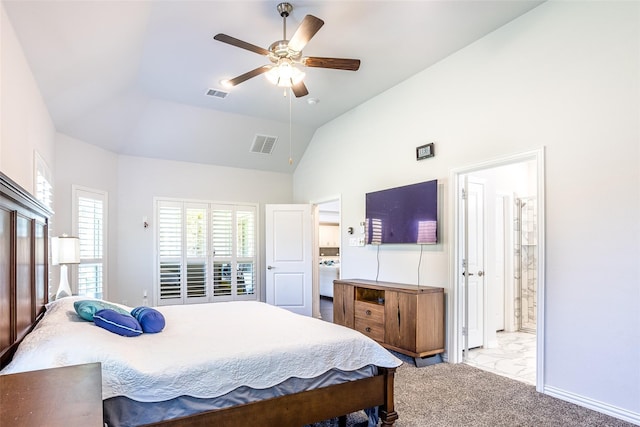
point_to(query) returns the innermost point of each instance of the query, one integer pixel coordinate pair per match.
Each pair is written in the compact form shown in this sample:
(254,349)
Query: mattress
(122,411)
(205,350)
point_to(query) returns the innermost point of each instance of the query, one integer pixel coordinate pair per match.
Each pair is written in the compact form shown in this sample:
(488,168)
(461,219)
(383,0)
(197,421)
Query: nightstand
(66,397)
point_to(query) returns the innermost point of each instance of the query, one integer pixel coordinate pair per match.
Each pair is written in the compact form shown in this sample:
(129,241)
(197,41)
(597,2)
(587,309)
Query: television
(407,214)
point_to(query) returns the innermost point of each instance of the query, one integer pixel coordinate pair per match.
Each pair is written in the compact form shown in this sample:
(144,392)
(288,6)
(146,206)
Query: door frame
(456,340)
(315,212)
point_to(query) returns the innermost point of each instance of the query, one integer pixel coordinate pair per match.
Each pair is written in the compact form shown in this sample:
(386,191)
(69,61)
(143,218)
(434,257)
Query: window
(206,251)
(234,251)
(43,182)
(90,223)
(44,193)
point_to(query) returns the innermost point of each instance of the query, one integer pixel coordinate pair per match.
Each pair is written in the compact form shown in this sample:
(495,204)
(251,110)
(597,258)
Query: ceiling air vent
(263,144)
(217,93)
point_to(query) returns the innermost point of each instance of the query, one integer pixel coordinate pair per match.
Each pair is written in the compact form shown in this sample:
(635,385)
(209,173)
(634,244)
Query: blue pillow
(150,319)
(88,307)
(118,323)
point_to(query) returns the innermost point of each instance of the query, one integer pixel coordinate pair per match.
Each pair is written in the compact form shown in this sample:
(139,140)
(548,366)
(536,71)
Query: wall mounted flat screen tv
(407,214)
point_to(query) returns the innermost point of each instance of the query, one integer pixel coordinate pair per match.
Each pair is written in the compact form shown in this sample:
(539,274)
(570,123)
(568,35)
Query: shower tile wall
(526,264)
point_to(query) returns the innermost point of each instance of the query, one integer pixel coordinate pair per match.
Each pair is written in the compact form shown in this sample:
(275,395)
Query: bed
(354,374)
(328,272)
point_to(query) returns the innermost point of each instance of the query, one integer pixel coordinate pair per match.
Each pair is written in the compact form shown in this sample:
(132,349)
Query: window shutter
(206,252)
(90,220)
(44,193)
(196,252)
(246,238)
(170,251)
(222,238)
(44,190)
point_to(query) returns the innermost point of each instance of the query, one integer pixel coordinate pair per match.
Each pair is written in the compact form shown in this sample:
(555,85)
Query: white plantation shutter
(196,251)
(44,193)
(222,238)
(182,252)
(43,181)
(170,251)
(206,252)
(90,220)
(246,249)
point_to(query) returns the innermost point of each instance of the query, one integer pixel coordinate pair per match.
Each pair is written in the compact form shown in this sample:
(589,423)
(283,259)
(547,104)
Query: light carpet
(458,395)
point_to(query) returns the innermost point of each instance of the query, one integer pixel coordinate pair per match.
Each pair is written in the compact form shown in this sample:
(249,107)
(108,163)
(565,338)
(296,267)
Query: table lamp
(64,250)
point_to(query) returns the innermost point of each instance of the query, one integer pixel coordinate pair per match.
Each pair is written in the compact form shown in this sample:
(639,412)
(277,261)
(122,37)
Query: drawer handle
(368,312)
(368,329)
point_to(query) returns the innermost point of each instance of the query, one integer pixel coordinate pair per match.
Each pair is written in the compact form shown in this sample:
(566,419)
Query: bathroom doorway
(498,267)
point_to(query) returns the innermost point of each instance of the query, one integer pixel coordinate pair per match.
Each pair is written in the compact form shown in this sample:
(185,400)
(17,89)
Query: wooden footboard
(303,408)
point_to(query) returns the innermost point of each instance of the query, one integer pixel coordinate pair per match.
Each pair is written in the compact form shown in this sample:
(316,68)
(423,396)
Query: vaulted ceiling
(132,76)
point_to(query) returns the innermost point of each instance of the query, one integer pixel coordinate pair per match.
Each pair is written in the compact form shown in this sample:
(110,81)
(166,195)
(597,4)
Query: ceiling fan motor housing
(284,9)
(280,49)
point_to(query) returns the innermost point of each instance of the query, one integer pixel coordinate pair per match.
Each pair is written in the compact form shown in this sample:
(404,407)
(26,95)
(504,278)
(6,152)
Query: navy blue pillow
(150,319)
(118,323)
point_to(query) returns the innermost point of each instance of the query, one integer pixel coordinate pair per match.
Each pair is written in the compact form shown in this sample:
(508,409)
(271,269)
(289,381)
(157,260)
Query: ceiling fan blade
(248,75)
(334,63)
(239,43)
(307,29)
(300,90)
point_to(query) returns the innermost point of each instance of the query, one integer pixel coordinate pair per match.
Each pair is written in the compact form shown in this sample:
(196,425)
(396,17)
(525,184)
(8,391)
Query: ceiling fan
(286,54)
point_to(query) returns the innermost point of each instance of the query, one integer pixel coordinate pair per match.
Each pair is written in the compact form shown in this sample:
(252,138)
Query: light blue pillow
(151,320)
(118,323)
(86,308)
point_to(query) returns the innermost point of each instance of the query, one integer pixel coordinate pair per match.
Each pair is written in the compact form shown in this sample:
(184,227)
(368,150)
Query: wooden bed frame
(24,278)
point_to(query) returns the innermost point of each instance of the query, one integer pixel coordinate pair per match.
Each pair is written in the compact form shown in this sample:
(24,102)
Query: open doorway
(498,300)
(329,243)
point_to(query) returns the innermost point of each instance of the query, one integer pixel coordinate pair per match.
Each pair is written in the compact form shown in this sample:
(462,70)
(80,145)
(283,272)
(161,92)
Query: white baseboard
(605,408)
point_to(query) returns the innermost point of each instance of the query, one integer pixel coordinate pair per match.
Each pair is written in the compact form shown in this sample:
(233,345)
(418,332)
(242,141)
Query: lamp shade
(285,74)
(65,250)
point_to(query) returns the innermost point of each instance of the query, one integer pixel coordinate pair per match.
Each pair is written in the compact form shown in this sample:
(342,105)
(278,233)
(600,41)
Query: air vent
(263,144)
(217,93)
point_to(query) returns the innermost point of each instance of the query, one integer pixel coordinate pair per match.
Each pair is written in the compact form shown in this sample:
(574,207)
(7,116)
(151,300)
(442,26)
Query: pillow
(118,323)
(150,319)
(88,307)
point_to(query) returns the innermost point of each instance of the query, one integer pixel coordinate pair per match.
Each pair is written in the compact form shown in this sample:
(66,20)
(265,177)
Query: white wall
(132,183)
(142,179)
(25,123)
(564,76)
(86,165)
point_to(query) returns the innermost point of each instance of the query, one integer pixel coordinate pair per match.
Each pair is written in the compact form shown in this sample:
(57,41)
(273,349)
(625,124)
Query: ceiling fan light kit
(285,74)
(285,54)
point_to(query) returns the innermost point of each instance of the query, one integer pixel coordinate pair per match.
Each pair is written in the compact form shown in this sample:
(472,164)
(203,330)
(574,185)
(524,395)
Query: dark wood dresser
(64,397)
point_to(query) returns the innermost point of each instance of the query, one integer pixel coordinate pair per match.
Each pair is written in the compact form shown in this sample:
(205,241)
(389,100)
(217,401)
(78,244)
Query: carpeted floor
(448,395)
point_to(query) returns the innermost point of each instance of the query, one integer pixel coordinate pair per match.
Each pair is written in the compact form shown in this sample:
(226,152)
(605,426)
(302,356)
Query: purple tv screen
(407,214)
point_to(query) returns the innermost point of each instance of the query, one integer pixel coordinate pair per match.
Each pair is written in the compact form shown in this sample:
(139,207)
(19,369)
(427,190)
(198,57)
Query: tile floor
(515,357)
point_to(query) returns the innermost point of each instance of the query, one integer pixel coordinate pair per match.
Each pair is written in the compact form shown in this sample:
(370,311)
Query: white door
(289,253)
(473,263)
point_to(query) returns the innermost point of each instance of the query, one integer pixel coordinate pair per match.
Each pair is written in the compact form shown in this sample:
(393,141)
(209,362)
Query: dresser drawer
(369,319)
(367,310)
(374,331)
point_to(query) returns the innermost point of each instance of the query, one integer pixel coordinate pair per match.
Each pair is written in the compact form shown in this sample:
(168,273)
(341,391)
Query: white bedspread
(205,350)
